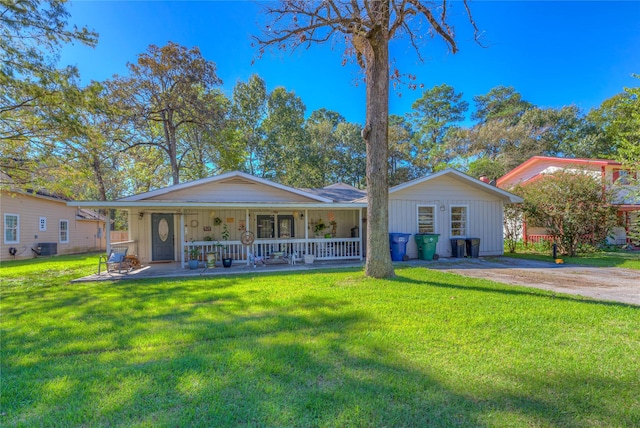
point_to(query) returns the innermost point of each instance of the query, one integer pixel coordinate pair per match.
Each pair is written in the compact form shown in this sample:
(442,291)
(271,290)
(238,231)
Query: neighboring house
(38,223)
(165,223)
(611,174)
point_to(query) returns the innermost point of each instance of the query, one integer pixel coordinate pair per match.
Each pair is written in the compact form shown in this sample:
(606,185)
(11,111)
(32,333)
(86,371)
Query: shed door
(162,237)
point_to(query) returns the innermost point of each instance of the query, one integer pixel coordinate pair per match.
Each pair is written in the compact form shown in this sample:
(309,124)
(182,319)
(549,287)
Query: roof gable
(460,177)
(233,186)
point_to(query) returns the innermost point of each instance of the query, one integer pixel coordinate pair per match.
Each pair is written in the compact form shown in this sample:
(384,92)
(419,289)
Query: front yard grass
(331,348)
(621,259)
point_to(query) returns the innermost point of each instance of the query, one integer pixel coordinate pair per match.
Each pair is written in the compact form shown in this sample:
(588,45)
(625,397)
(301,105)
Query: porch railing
(321,248)
(131,245)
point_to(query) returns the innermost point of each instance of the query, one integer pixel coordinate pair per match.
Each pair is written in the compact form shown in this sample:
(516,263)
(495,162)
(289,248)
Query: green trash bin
(427,245)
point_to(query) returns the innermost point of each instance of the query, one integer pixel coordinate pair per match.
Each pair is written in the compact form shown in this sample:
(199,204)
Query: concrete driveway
(612,284)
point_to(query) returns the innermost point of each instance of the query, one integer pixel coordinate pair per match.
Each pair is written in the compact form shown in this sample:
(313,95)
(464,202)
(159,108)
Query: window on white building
(426,219)
(11,228)
(458,221)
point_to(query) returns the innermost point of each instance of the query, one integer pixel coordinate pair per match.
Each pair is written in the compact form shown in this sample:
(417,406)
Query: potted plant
(334,228)
(319,228)
(194,254)
(226,260)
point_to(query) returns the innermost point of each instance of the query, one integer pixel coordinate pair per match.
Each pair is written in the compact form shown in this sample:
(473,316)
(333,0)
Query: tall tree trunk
(378,264)
(171,145)
(97,170)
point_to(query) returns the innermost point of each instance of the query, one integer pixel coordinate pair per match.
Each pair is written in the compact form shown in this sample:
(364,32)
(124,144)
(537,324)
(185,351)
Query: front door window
(285,226)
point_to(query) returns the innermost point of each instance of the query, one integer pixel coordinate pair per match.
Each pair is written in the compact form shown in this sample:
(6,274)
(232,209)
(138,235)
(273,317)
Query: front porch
(275,234)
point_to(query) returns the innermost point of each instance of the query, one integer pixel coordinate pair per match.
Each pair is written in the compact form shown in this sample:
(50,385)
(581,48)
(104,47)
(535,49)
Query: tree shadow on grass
(188,354)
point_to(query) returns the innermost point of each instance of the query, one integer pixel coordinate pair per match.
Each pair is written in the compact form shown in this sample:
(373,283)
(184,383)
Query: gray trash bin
(457,247)
(473,247)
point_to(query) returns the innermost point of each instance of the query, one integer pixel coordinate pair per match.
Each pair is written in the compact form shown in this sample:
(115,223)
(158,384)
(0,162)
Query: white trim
(60,240)
(17,216)
(435,217)
(251,205)
(466,220)
(360,234)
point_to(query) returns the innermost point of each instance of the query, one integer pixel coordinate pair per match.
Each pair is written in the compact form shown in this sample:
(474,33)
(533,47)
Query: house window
(426,219)
(64,231)
(622,177)
(43,224)
(458,221)
(11,228)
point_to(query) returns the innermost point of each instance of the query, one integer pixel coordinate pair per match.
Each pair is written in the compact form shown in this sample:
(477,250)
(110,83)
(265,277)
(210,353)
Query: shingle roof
(339,192)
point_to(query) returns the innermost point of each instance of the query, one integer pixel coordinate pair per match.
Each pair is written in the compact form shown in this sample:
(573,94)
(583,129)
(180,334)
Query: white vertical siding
(484,216)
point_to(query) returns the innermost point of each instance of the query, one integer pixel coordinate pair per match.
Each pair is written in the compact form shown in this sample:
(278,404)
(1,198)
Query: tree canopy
(35,94)
(168,89)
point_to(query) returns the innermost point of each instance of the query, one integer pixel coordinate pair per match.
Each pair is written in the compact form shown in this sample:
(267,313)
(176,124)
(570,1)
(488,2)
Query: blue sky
(554,53)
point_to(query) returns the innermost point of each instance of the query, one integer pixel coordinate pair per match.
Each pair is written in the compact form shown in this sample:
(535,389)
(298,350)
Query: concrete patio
(174,269)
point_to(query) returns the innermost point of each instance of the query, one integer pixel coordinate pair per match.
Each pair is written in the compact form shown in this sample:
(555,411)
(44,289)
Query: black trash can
(473,247)
(457,247)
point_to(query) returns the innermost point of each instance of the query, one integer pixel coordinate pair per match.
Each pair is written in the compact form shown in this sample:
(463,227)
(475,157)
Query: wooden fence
(119,235)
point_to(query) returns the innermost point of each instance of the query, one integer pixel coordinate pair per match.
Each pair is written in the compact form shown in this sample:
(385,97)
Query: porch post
(360,231)
(107,228)
(247,229)
(306,231)
(182,239)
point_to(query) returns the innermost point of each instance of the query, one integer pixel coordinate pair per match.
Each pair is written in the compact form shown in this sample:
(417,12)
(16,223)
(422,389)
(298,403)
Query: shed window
(458,221)
(426,219)
(11,228)
(64,231)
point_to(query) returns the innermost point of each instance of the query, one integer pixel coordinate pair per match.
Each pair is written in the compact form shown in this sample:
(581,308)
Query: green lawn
(621,259)
(310,349)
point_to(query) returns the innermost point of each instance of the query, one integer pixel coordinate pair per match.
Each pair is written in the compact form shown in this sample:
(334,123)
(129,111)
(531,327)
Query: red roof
(536,159)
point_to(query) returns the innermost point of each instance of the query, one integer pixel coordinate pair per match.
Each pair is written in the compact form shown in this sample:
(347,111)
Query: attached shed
(453,205)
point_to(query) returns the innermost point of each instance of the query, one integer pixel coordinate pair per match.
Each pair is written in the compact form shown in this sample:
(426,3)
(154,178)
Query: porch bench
(117,259)
(277,257)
